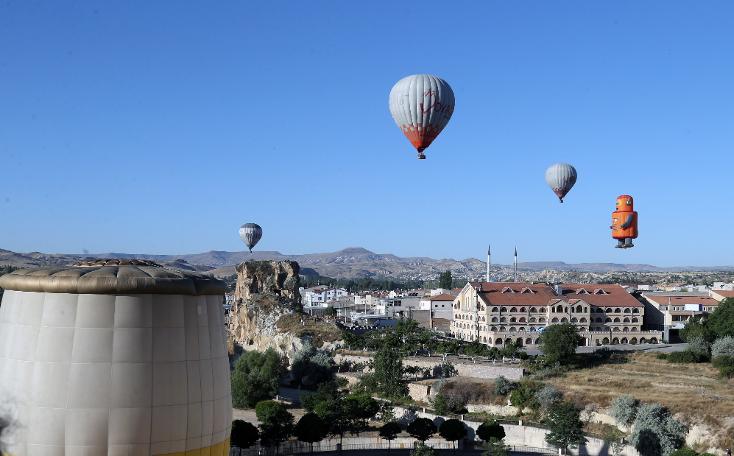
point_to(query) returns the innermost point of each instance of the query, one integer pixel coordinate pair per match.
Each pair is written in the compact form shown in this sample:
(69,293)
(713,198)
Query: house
(498,313)
(671,311)
(721,294)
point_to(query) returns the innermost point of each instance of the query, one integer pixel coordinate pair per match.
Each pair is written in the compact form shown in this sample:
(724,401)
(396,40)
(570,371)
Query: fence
(295,448)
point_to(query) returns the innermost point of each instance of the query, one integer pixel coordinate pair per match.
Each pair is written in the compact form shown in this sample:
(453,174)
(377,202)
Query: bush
(686,357)
(655,432)
(421,429)
(662,356)
(452,430)
(700,347)
(422,450)
(311,367)
(723,346)
(503,387)
(725,364)
(524,396)
(546,396)
(255,377)
(624,409)
(685,451)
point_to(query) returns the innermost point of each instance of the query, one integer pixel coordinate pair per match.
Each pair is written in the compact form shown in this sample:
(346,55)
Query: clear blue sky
(160,127)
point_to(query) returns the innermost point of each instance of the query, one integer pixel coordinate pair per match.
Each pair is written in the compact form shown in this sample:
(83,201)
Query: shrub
(524,396)
(624,409)
(422,450)
(662,356)
(255,378)
(723,346)
(685,451)
(503,387)
(700,347)
(548,395)
(655,432)
(687,356)
(725,364)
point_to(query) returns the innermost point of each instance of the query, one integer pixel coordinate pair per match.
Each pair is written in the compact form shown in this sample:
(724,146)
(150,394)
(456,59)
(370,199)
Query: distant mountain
(357,262)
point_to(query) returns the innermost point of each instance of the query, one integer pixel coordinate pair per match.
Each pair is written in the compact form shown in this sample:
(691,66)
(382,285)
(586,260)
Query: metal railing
(295,448)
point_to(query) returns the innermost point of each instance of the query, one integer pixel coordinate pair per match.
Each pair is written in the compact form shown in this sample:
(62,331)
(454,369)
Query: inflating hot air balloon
(624,222)
(250,233)
(560,177)
(421,105)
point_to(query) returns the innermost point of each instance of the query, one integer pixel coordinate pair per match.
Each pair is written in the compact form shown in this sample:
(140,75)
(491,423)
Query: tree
(452,430)
(388,369)
(421,429)
(311,428)
(494,447)
(700,347)
(445,280)
(565,426)
(359,408)
(655,432)
(721,320)
(490,430)
(559,343)
(255,377)
(624,409)
(243,434)
(524,395)
(389,431)
(276,423)
(422,450)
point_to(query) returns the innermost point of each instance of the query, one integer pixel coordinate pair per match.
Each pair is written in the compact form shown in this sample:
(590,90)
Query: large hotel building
(499,313)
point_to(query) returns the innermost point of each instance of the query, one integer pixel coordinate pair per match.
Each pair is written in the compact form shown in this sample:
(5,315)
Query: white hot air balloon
(421,105)
(560,178)
(250,233)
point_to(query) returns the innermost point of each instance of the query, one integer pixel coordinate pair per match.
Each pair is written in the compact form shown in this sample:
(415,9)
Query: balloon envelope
(250,233)
(560,178)
(421,105)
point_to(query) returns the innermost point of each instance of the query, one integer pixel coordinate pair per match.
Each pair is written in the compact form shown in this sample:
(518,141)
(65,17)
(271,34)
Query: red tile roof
(681,300)
(519,293)
(724,293)
(443,297)
(600,295)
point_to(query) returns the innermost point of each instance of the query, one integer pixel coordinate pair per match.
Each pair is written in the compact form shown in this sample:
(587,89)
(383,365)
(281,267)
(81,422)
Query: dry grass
(694,390)
(320,330)
(473,391)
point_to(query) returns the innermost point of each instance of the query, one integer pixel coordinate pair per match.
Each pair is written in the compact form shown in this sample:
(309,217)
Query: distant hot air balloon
(250,233)
(560,177)
(421,105)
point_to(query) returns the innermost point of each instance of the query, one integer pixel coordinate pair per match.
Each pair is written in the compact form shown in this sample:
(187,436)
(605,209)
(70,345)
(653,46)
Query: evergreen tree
(566,428)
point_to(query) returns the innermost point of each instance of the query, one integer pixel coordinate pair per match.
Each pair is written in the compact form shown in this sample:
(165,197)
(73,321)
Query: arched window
(532,320)
(503,319)
(627,310)
(533,310)
(608,320)
(555,320)
(528,341)
(564,320)
(626,320)
(521,328)
(559,309)
(512,329)
(498,342)
(494,309)
(616,320)
(609,310)
(625,329)
(579,309)
(541,320)
(634,320)
(634,311)
(494,319)
(522,309)
(513,309)
(574,320)
(583,320)
(521,320)
(512,319)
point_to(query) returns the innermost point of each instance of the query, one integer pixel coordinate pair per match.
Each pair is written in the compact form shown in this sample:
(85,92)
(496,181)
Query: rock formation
(265,292)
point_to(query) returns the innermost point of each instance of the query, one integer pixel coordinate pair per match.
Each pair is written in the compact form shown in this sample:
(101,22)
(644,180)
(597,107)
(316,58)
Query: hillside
(355,262)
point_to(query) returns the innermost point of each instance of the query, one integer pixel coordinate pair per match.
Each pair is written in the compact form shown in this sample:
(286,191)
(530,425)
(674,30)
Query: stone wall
(464,369)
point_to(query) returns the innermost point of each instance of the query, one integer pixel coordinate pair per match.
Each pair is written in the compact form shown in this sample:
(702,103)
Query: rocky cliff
(265,292)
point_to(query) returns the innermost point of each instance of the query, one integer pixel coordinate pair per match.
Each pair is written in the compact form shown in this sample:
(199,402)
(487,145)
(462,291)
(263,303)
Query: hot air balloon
(421,105)
(560,177)
(624,222)
(250,233)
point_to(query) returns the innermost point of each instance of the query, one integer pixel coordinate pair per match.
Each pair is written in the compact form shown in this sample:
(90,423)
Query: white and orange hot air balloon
(421,105)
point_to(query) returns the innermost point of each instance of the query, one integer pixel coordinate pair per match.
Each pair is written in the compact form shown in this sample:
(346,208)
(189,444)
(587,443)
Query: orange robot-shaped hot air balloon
(624,222)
